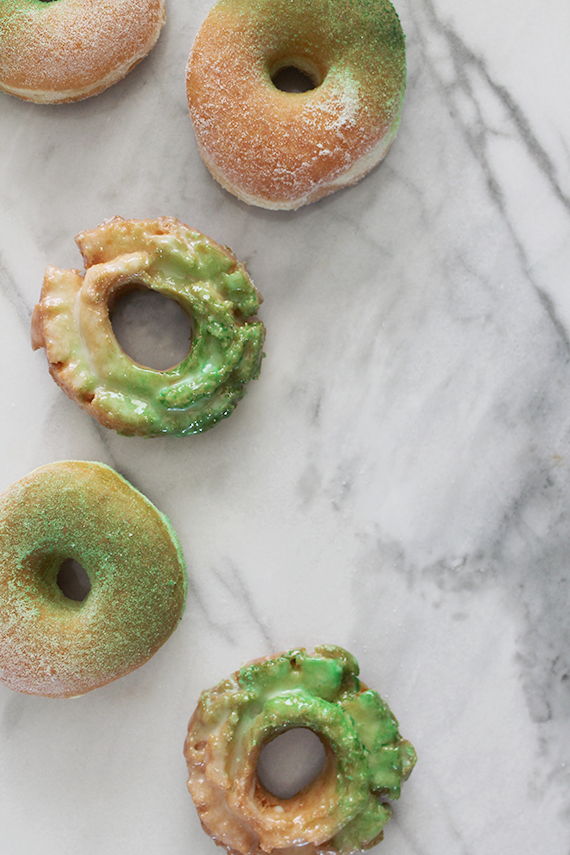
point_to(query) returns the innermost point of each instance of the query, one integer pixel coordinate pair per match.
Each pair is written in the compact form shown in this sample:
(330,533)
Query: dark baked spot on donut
(73,580)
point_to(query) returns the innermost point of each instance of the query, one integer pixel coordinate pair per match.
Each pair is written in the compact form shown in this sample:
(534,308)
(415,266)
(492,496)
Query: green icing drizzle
(322,692)
(207,282)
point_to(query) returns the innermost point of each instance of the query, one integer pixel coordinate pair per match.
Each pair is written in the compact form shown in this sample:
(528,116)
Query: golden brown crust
(65,50)
(55,646)
(343,810)
(278,149)
(72,322)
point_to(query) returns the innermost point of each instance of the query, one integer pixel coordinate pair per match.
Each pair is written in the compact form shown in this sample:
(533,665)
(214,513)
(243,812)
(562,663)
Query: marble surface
(396,482)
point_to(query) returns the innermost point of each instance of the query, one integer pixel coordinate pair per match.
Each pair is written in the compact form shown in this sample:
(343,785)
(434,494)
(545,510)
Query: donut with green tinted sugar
(343,810)
(73,324)
(282,149)
(52,51)
(57,646)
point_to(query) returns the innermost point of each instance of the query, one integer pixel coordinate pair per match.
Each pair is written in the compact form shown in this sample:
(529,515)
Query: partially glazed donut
(60,647)
(281,149)
(73,324)
(52,51)
(343,809)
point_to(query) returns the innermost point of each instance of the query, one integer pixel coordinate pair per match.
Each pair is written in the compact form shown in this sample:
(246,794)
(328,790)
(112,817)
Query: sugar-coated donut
(281,149)
(72,323)
(59,647)
(342,809)
(53,51)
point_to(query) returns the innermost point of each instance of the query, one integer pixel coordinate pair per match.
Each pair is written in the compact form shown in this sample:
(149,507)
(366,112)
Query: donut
(280,149)
(343,809)
(52,51)
(57,646)
(72,323)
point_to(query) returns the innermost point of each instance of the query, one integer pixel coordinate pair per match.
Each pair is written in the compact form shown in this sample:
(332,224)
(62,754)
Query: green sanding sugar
(50,644)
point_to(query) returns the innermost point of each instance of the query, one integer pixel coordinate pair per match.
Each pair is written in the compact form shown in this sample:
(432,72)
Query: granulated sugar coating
(55,646)
(281,149)
(65,50)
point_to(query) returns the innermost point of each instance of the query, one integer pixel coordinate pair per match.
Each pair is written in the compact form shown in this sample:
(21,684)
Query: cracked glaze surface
(396,482)
(73,323)
(344,809)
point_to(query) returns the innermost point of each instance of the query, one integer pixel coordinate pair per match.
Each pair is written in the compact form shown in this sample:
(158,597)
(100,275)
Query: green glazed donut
(57,646)
(343,809)
(73,324)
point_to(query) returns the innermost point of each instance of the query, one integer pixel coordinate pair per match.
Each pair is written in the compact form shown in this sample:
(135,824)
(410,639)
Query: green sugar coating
(345,19)
(72,322)
(51,645)
(363,34)
(281,149)
(321,691)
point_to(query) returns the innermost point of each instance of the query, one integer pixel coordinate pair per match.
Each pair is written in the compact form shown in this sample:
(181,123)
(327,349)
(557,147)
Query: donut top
(283,149)
(64,49)
(343,809)
(329,675)
(72,322)
(50,644)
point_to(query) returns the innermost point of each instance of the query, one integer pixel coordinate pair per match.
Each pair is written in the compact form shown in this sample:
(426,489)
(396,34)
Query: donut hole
(290,762)
(72,580)
(291,79)
(295,75)
(152,329)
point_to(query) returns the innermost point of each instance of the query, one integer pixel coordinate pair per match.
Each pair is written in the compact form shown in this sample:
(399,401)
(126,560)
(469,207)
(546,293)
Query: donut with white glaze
(279,149)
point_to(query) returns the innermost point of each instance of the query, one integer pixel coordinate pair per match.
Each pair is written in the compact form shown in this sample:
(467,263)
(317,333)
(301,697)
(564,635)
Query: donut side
(67,50)
(281,150)
(54,646)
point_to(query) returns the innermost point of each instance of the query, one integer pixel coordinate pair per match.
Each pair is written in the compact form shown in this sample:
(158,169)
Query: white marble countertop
(396,482)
